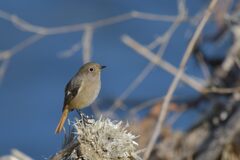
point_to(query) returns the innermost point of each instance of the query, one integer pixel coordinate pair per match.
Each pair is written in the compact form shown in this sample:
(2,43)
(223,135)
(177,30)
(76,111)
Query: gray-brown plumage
(81,90)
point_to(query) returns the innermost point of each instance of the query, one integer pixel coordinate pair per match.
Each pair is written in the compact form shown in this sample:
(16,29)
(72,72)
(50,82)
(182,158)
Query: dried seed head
(105,140)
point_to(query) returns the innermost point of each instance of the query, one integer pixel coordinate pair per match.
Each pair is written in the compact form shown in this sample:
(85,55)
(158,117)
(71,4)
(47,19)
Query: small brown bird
(81,90)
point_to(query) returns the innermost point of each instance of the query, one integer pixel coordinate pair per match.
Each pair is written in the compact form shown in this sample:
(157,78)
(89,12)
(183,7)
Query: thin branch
(177,78)
(3,69)
(69,52)
(5,56)
(158,41)
(145,104)
(87,41)
(23,25)
(161,63)
(203,65)
(222,90)
(20,46)
(230,59)
(153,17)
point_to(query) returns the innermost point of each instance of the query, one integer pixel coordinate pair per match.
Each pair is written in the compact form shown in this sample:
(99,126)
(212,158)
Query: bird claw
(84,118)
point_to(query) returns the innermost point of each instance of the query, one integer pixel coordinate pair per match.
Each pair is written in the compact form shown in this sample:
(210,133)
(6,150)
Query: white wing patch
(68,92)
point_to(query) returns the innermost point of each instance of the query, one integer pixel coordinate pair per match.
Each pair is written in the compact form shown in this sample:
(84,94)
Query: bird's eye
(91,69)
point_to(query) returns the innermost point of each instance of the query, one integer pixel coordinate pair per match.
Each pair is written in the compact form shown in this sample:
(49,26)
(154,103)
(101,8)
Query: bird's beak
(102,67)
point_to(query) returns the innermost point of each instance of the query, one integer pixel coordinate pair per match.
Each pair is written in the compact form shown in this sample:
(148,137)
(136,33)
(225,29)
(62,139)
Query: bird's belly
(85,97)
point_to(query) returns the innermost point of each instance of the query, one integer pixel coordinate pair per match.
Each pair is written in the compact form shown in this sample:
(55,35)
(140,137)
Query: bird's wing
(71,90)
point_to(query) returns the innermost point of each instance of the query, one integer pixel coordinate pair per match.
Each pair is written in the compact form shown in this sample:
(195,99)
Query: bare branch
(153,17)
(22,24)
(26,26)
(5,56)
(87,41)
(69,52)
(222,90)
(20,46)
(3,69)
(161,63)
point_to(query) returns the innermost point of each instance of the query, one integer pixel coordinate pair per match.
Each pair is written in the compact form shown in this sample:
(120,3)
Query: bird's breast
(86,94)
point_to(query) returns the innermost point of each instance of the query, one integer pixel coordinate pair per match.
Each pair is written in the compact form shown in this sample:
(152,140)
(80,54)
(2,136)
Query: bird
(81,91)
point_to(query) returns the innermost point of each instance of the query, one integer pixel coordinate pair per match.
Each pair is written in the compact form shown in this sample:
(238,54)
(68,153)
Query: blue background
(31,92)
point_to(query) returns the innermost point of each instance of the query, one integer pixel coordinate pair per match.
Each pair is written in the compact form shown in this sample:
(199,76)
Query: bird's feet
(84,118)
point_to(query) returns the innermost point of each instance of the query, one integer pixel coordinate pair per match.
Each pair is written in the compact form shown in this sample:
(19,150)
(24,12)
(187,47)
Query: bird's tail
(62,120)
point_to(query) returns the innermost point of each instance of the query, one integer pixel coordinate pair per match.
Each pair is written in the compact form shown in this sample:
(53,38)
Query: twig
(161,63)
(69,52)
(154,17)
(26,26)
(5,56)
(180,72)
(22,24)
(222,90)
(203,65)
(145,104)
(229,60)
(3,69)
(20,46)
(87,41)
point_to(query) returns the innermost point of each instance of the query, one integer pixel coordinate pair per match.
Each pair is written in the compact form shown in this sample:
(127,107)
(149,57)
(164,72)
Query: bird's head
(91,70)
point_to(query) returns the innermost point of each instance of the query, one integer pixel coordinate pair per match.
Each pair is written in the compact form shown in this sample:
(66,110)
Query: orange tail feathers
(62,120)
